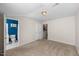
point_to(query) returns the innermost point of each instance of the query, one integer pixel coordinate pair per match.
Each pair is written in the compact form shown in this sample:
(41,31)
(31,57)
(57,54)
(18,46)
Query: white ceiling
(33,10)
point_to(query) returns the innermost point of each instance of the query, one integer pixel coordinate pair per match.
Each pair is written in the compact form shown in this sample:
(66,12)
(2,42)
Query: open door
(11,33)
(45,31)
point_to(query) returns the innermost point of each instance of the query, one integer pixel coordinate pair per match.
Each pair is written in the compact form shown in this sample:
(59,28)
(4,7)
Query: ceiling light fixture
(44,12)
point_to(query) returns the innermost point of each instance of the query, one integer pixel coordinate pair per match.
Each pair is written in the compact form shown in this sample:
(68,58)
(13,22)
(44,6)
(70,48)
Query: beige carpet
(43,48)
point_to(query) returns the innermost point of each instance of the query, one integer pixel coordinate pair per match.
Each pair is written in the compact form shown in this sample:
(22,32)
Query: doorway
(45,31)
(11,26)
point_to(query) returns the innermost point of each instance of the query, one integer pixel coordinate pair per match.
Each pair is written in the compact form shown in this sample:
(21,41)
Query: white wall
(62,30)
(30,30)
(77,31)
